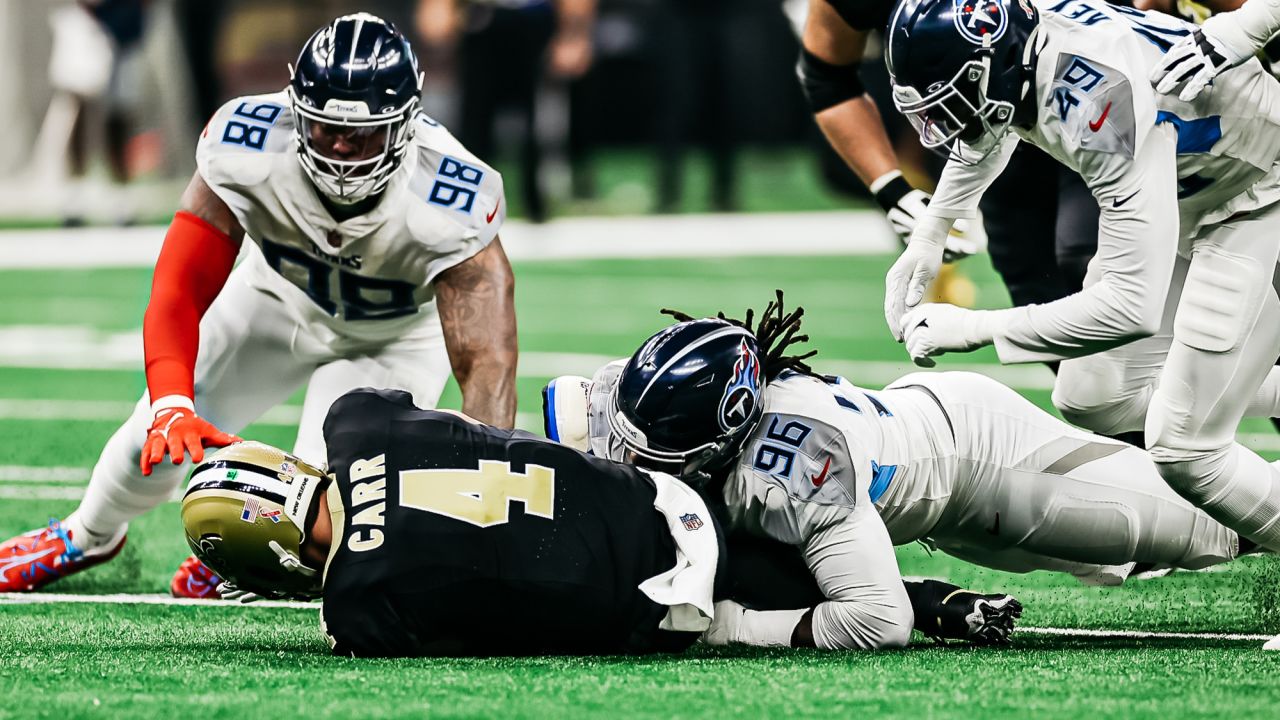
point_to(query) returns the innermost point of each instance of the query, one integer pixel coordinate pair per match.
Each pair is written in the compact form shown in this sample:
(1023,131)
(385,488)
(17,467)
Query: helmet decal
(981,22)
(738,404)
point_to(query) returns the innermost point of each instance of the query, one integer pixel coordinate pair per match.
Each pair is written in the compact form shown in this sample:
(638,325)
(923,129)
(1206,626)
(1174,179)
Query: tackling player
(432,534)
(952,459)
(1178,318)
(374,260)
(438,535)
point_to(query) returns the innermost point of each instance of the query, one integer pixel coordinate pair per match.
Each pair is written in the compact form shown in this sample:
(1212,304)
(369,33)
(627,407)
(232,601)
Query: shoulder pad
(242,139)
(463,193)
(806,457)
(1094,105)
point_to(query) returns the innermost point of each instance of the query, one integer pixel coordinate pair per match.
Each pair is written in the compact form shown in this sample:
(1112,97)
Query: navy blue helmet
(356,78)
(961,70)
(689,398)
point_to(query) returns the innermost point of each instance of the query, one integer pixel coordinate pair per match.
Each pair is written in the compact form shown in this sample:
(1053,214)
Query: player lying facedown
(414,543)
(432,534)
(380,264)
(956,460)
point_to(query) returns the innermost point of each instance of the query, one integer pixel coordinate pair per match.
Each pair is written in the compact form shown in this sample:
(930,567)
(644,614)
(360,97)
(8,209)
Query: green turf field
(88,660)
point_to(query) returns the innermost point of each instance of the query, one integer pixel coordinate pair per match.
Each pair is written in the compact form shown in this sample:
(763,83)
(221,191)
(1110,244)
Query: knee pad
(1088,393)
(1211,314)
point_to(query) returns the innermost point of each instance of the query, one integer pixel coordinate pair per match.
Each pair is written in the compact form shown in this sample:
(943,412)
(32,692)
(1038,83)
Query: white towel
(687,587)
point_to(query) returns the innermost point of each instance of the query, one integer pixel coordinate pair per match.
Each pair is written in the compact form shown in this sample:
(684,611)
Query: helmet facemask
(627,443)
(958,119)
(380,139)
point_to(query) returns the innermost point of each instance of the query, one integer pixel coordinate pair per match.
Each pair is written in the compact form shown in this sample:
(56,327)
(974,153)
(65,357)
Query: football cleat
(32,560)
(195,580)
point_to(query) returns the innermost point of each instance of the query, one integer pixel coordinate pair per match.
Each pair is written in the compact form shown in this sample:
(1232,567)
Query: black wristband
(892,193)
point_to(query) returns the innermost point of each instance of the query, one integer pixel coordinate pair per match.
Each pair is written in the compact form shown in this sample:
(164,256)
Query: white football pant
(255,351)
(1188,387)
(1033,493)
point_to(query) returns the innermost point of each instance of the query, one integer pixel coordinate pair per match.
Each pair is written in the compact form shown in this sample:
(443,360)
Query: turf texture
(90,660)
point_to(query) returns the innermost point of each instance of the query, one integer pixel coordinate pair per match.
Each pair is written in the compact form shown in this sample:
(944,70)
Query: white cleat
(1272,644)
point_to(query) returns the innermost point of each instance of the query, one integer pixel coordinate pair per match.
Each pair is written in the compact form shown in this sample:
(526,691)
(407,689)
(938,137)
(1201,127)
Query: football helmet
(688,399)
(356,77)
(245,513)
(961,71)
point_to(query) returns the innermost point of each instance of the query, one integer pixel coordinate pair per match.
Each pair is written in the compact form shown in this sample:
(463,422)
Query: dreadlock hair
(776,331)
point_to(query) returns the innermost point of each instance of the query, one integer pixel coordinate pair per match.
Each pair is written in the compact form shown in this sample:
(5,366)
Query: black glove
(948,612)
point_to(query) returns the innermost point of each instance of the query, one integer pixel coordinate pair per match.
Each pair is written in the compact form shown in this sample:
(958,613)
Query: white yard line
(157,599)
(851,232)
(1139,634)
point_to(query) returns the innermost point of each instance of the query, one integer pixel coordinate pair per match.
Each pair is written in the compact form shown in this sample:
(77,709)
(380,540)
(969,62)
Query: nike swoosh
(1117,202)
(20,560)
(489,218)
(821,477)
(995,526)
(1096,125)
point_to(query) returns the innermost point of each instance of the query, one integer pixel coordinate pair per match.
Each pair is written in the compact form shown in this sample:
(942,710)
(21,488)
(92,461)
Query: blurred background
(608,107)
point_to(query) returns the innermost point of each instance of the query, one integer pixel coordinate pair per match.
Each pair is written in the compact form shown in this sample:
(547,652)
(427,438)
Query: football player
(374,259)
(1175,332)
(432,534)
(955,460)
(1041,234)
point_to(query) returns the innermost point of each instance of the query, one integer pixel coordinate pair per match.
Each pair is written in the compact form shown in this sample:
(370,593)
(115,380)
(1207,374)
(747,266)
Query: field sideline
(1182,646)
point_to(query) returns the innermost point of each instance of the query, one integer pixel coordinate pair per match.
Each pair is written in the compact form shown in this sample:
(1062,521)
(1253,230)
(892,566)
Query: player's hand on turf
(1195,60)
(977,618)
(937,328)
(905,284)
(178,432)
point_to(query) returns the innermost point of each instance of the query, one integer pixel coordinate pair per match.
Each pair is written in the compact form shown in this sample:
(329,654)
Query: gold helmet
(245,516)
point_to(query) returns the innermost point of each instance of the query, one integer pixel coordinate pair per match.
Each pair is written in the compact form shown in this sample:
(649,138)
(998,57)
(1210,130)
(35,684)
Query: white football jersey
(1096,107)
(371,274)
(1163,171)
(823,448)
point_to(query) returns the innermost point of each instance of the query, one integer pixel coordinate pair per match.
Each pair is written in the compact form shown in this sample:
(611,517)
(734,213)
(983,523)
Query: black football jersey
(455,538)
(865,14)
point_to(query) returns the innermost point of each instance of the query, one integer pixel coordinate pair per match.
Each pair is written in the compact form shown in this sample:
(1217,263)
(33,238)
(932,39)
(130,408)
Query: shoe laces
(71,553)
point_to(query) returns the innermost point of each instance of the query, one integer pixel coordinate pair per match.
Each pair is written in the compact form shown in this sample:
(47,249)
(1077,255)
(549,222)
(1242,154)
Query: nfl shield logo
(691,521)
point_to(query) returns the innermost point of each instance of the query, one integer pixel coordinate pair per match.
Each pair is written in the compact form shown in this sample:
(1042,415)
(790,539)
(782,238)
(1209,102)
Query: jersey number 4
(483,496)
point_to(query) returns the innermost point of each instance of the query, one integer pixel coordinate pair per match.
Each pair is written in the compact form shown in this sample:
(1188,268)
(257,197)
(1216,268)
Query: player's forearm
(856,132)
(1137,248)
(489,393)
(193,265)
(476,302)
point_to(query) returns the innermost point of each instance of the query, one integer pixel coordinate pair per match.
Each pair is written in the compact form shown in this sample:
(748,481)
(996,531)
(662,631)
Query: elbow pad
(826,85)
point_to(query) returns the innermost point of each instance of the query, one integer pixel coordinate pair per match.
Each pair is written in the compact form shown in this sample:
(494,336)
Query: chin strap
(289,561)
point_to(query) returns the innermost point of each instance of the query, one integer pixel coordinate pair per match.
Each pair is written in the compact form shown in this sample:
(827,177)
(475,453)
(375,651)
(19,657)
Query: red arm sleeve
(194,263)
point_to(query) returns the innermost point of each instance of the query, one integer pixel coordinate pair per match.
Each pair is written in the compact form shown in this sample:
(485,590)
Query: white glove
(227,591)
(905,284)
(1195,60)
(936,328)
(733,624)
(904,206)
